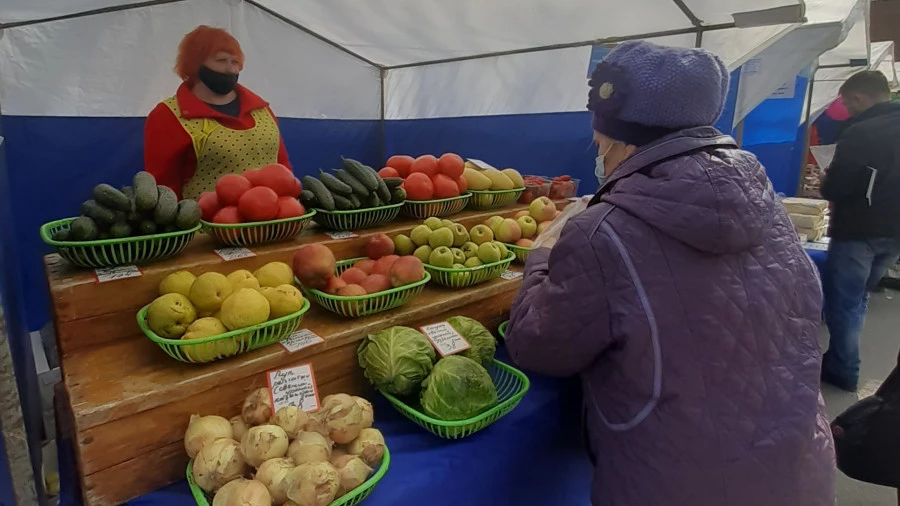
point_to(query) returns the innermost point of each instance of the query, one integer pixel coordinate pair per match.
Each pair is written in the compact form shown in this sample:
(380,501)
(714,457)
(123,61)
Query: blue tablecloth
(818,258)
(532,456)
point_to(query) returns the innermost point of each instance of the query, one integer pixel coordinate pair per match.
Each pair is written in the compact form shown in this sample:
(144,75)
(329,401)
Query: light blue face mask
(599,167)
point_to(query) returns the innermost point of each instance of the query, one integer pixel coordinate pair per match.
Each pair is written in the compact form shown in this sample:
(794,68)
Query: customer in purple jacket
(683,298)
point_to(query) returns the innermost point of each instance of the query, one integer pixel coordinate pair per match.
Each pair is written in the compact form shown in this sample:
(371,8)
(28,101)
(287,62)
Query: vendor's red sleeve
(282,151)
(168,150)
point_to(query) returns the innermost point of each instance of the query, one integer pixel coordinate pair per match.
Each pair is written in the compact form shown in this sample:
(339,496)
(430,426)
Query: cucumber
(359,189)
(308,198)
(166,206)
(355,201)
(97,212)
(129,192)
(62,235)
(343,203)
(111,198)
(398,196)
(171,227)
(120,230)
(366,175)
(335,185)
(188,214)
(83,228)
(147,227)
(373,201)
(103,235)
(383,192)
(323,197)
(146,194)
(393,182)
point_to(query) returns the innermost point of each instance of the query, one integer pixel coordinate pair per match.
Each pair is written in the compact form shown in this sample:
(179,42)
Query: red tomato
(227,215)
(289,207)
(277,177)
(388,172)
(444,187)
(209,205)
(418,186)
(462,184)
(425,164)
(252,176)
(229,189)
(402,163)
(298,187)
(258,204)
(451,165)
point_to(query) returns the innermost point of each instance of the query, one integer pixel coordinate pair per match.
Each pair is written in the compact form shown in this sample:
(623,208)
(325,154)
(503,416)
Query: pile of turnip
(289,457)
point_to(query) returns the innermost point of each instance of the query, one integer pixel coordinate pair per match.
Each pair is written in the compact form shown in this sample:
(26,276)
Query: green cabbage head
(396,360)
(481,341)
(458,388)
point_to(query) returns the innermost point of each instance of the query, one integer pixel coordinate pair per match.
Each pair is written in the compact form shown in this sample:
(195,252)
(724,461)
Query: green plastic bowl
(511,386)
(502,329)
(470,276)
(422,209)
(112,252)
(357,219)
(493,199)
(354,497)
(520,251)
(355,307)
(262,232)
(228,344)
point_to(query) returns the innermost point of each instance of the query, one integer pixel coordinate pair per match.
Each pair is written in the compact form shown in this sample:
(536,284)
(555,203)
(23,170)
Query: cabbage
(396,360)
(482,343)
(458,388)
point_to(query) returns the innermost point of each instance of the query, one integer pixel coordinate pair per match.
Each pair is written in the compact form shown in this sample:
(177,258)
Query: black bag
(867,436)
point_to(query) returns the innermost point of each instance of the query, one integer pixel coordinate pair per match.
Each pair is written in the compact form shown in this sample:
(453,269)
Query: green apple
(470,249)
(489,252)
(504,251)
(508,231)
(423,253)
(460,235)
(481,234)
(403,245)
(441,237)
(493,221)
(441,257)
(420,235)
(473,262)
(447,223)
(433,223)
(528,226)
(459,266)
(458,256)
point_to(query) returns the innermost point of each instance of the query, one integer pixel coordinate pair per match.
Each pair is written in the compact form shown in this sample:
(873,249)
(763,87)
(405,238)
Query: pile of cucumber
(141,209)
(355,186)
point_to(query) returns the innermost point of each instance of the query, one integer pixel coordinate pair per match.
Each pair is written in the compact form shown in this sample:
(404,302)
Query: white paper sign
(293,386)
(823,154)
(480,164)
(300,339)
(341,235)
(508,274)
(786,90)
(815,246)
(229,254)
(105,274)
(445,339)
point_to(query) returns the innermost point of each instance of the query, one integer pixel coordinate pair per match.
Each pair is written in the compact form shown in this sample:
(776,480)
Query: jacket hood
(716,199)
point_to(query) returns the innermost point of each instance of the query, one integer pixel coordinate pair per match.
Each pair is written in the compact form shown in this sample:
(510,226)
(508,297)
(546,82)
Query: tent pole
(383,125)
(808,133)
(739,134)
(92,12)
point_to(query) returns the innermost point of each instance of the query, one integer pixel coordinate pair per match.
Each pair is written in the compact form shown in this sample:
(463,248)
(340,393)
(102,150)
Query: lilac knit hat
(641,92)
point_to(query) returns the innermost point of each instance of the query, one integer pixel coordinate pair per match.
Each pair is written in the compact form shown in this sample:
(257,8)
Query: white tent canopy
(828,80)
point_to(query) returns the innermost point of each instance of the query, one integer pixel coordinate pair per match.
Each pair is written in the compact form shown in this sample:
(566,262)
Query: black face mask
(217,82)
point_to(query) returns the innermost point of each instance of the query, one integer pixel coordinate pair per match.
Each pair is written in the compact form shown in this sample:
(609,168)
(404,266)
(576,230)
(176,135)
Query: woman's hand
(551,235)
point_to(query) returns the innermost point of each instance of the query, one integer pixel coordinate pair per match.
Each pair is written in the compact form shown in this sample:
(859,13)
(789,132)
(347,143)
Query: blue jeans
(852,269)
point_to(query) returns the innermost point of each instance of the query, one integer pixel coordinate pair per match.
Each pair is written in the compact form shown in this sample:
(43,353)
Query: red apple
(379,245)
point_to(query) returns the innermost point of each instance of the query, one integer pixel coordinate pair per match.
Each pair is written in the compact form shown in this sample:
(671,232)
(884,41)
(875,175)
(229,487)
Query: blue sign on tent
(598,53)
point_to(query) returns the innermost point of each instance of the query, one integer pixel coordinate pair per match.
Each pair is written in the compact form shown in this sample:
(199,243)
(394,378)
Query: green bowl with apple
(464,277)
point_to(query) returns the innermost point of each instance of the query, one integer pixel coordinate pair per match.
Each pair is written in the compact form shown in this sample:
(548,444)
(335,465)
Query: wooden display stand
(129,403)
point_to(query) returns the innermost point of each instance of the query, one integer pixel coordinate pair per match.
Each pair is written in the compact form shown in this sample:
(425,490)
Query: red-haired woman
(212,126)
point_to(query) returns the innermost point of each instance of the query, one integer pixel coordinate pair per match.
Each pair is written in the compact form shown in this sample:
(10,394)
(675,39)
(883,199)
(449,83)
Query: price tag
(508,274)
(815,246)
(293,386)
(341,235)
(300,339)
(229,254)
(445,339)
(104,274)
(480,164)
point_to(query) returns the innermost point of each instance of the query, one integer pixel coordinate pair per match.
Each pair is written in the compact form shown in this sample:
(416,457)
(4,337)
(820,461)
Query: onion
(313,484)
(262,443)
(218,463)
(368,417)
(257,408)
(203,430)
(238,427)
(369,446)
(316,423)
(271,474)
(353,472)
(309,447)
(336,455)
(242,493)
(292,419)
(343,417)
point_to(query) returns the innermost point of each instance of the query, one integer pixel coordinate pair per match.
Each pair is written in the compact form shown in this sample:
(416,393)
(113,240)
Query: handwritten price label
(445,339)
(341,235)
(229,254)
(300,339)
(480,164)
(104,274)
(294,386)
(508,274)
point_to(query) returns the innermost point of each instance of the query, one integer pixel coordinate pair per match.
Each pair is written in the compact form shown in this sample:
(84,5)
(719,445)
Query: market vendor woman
(212,126)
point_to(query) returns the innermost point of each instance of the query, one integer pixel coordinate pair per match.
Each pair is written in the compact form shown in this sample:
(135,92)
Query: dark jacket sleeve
(848,176)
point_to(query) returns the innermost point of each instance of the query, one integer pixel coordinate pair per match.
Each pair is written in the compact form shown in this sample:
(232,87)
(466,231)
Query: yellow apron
(222,151)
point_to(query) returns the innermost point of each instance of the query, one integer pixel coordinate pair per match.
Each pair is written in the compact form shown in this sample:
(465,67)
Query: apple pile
(427,177)
(525,225)
(267,193)
(315,267)
(447,244)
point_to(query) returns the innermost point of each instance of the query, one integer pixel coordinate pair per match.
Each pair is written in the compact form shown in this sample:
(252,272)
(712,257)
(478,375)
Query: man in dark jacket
(863,186)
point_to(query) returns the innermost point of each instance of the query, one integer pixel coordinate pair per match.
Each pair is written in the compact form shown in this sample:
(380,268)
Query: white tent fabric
(828,81)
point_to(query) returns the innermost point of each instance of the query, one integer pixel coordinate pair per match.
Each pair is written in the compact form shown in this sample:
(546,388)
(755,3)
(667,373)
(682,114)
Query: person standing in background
(863,186)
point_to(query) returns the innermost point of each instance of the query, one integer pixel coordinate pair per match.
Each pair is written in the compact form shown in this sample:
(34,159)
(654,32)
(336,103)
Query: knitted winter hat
(641,92)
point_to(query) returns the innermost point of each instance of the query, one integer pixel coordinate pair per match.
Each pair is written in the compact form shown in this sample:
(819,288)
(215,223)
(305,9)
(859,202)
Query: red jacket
(169,150)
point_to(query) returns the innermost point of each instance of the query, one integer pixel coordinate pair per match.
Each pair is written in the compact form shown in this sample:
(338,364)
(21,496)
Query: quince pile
(194,307)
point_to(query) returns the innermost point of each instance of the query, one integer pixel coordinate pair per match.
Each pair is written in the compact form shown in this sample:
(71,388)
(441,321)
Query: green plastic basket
(511,386)
(228,344)
(261,232)
(357,219)
(355,307)
(112,252)
(492,199)
(520,251)
(502,329)
(354,497)
(422,209)
(470,276)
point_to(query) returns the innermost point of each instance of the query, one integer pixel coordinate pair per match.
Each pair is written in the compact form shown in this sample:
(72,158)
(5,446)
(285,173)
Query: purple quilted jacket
(686,303)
